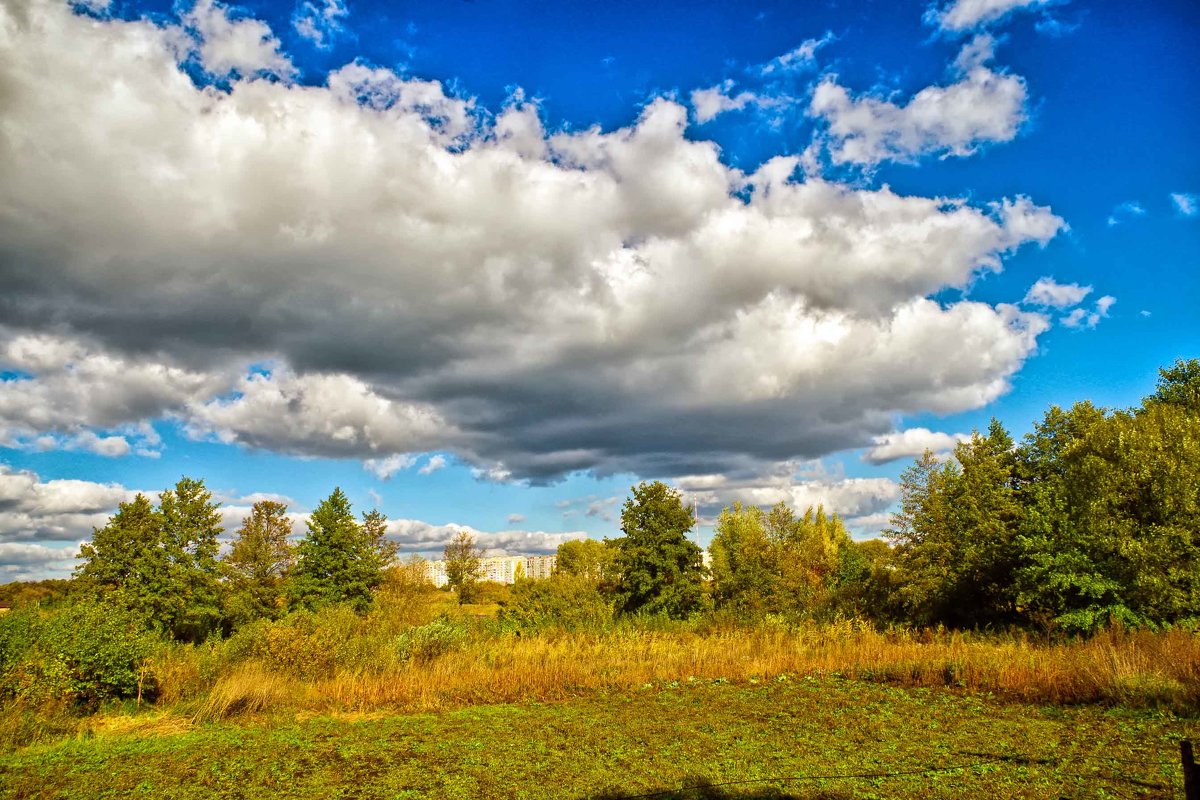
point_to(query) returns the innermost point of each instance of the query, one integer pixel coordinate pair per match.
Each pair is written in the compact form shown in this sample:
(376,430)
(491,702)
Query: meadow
(425,698)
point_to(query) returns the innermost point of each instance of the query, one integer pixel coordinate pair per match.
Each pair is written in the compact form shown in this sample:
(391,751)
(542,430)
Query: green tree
(126,559)
(191,524)
(259,562)
(587,558)
(161,562)
(954,534)
(337,561)
(660,569)
(745,562)
(463,562)
(1178,385)
(374,527)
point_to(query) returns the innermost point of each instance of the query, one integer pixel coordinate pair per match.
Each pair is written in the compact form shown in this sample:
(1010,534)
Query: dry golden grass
(1126,667)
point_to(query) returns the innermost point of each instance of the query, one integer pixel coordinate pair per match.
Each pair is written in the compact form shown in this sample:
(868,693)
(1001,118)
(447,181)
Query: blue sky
(488,264)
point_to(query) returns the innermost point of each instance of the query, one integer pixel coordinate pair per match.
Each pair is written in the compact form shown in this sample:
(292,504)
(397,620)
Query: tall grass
(420,652)
(333,662)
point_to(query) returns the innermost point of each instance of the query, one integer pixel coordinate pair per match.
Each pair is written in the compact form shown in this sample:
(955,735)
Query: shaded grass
(628,743)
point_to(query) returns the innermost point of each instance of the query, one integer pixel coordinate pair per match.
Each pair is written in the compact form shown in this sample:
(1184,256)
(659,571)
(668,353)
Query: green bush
(84,654)
(424,643)
(569,602)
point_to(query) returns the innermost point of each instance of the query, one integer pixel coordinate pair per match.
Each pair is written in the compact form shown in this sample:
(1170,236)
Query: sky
(486,265)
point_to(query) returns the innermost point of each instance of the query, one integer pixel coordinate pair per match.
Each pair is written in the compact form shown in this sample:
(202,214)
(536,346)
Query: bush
(84,654)
(426,642)
(569,602)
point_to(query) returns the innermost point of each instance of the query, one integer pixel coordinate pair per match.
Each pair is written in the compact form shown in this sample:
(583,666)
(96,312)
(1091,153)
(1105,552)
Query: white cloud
(320,21)
(425,277)
(1082,318)
(385,468)
(1186,204)
(235,47)
(334,415)
(1125,212)
(801,58)
(66,389)
(55,510)
(416,536)
(31,562)
(965,15)
(516,519)
(1049,293)
(433,465)
(716,100)
(983,106)
(911,443)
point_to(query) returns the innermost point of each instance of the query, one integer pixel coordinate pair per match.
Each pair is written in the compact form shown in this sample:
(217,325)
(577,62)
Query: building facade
(498,569)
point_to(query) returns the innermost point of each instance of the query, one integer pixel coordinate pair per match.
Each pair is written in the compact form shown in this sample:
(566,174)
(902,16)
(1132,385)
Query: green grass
(657,739)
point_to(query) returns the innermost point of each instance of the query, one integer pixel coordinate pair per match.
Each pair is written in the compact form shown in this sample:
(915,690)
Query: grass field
(656,739)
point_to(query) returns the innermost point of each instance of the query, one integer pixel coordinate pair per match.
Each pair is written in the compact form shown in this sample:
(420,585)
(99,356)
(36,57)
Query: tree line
(162,562)
(1093,518)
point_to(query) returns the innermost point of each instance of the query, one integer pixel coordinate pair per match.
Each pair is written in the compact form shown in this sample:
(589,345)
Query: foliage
(339,560)
(660,569)
(588,558)
(44,592)
(424,643)
(257,564)
(954,533)
(463,563)
(566,600)
(775,562)
(161,563)
(84,653)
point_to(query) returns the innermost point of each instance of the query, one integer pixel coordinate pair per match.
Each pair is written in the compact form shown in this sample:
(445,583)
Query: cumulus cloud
(31,562)
(709,103)
(320,22)
(420,276)
(385,468)
(1187,205)
(911,443)
(1049,293)
(56,510)
(332,415)
(231,47)
(981,107)
(61,390)
(964,15)
(434,463)
(416,536)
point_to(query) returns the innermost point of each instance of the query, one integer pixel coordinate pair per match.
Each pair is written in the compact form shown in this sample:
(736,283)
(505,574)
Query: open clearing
(658,739)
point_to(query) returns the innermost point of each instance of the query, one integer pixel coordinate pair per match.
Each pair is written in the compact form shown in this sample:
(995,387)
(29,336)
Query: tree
(463,562)
(776,562)
(191,524)
(127,559)
(660,568)
(587,558)
(374,526)
(1178,385)
(954,534)
(259,562)
(161,562)
(338,561)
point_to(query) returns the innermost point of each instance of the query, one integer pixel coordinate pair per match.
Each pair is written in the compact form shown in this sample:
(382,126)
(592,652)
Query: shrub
(569,602)
(84,654)
(424,643)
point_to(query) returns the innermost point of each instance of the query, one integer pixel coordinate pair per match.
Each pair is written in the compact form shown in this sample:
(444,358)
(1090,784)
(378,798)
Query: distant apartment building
(498,569)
